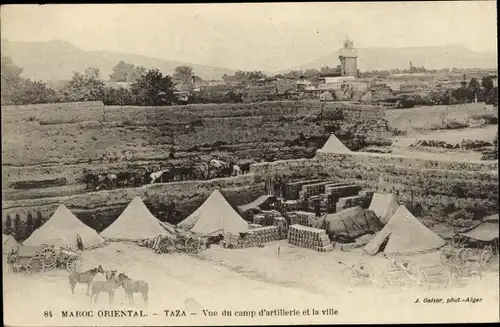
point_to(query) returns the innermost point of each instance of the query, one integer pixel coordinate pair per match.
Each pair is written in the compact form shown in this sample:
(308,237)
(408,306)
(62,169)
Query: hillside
(393,58)
(56,60)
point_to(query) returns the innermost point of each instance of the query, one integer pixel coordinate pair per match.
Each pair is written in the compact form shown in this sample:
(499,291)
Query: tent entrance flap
(383,244)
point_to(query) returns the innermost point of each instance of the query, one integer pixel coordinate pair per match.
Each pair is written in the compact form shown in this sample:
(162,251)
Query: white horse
(236,170)
(218,164)
(154,176)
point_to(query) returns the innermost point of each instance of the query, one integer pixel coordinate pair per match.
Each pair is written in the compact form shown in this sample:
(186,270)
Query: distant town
(134,85)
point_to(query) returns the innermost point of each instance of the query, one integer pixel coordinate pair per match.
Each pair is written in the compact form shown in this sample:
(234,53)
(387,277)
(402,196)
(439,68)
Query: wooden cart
(434,276)
(36,259)
(401,274)
(356,274)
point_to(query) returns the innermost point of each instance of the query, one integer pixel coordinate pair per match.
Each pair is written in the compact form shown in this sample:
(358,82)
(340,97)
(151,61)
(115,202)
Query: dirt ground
(242,279)
(401,144)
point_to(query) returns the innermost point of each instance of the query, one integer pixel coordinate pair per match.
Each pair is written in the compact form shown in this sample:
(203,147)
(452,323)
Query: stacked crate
(257,236)
(293,218)
(303,217)
(308,237)
(340,190)
(269,216)
(292,189)
(290,205)
(259,219)
(252,226)
(309,190)
(349,202)
(367,198)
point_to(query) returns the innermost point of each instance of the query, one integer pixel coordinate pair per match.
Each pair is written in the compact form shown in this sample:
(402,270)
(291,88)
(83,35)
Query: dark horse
(133,286)
(85,277)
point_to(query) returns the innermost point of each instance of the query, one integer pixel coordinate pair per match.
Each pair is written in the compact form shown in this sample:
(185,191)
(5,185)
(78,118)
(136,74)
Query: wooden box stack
(259,219)
(348,202)
(340,191)
(257,236)
(292,189)
(269,216)
(303,217)
(292,218)
(308,237)
(310,190)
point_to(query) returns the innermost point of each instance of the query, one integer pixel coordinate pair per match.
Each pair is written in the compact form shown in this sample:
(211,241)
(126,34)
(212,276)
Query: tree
(30,227)
(39,220)
(18,229)
(84,87)
(153,89)
(183,74)
(125,72)
(34,92)
(8,225)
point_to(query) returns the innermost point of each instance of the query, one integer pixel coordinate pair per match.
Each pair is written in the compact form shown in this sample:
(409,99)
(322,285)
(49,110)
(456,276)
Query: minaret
(348,56)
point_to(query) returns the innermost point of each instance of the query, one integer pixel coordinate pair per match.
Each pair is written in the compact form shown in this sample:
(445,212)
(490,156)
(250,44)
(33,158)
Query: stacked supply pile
(290,205)
(303,217)
(252,226)
(309,190)
(259,219)
(292,189)
(308,237)
(293,218)
(257,236)
(282,225)
(367,198)
(269,216)
(349,202)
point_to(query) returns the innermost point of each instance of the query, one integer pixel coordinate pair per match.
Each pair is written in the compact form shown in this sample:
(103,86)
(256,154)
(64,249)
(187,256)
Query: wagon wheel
(467,255)
(475,270)
(34,266)
(72,261)
(485,259)
(165,245)
(192,245)
(455,241)
(349,276)
(446,256)
(48,257)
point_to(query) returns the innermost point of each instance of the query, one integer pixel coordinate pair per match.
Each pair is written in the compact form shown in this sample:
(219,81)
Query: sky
(266,37)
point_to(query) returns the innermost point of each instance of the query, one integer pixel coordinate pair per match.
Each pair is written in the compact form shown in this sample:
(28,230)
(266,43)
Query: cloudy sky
(254,36)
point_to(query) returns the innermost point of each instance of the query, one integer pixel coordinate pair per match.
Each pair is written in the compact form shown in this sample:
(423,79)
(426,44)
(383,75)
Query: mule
(85,277)
(133,286)
(236,170)
(109,286)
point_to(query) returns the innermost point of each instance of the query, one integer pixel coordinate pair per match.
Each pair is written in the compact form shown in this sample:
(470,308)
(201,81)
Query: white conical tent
(8,243)
(214,216)
(135,223)
(333,145)
(63,229)
(404,234)
(384,205)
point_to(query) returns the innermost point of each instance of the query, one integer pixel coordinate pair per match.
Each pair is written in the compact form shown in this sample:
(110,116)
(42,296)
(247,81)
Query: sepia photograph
(249,163)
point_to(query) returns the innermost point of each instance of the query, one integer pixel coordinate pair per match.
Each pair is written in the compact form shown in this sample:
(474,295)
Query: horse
(236,170)
(216,163)
(85,277)
(133,286)
(245,168)
(109,286)
(154,176)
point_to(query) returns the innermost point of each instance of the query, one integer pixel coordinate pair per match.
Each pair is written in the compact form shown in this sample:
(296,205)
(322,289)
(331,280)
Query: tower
(348,56)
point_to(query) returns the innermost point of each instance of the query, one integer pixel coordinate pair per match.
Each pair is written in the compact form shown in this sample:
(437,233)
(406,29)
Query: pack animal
(109,286)
(133,286)
(85,277)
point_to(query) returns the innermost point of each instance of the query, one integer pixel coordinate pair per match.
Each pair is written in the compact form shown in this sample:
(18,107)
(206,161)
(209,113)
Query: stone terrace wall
(59,141)
(432,184)
(100,209)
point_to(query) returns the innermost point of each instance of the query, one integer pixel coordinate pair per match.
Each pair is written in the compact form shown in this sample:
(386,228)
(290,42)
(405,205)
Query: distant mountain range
(56,60)
(437,57)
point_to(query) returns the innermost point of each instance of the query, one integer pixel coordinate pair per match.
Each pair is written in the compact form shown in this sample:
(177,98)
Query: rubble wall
(433,184)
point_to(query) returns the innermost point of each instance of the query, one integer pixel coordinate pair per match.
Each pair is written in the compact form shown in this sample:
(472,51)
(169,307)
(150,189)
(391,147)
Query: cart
(452,255)
(402,274)
(356,274)
(460,252)
(67,258)
(463,273)
(39,258)
(434,276)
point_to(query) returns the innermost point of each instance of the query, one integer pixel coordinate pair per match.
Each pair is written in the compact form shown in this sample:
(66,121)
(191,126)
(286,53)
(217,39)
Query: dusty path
(236,284)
